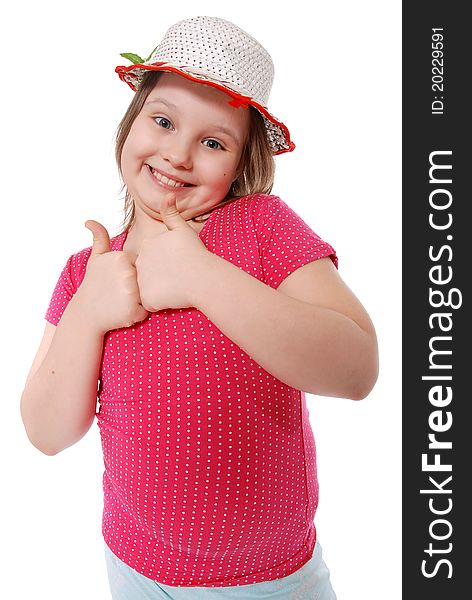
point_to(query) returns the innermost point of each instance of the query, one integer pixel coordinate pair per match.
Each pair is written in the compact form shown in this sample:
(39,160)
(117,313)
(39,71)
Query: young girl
(203,323)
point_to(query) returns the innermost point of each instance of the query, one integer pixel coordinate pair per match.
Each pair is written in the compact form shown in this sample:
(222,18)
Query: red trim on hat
(237,99)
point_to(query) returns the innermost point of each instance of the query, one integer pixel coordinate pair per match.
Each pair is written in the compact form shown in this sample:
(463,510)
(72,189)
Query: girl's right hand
(109,292)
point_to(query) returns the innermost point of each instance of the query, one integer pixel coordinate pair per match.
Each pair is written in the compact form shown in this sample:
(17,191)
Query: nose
(178,152)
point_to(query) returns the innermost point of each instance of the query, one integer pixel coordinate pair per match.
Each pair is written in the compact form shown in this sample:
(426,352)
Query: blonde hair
(256,169)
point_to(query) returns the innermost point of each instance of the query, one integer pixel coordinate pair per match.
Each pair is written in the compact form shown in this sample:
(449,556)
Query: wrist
(81,311)
(205,275)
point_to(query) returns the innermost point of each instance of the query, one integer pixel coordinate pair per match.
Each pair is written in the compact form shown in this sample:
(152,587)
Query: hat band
(238,99)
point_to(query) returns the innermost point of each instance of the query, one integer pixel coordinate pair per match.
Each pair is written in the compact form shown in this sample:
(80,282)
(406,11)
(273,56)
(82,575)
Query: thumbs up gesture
(109,292)
(171,266)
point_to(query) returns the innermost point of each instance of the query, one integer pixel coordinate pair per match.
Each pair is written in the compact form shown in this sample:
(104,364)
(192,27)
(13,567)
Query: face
(186,139)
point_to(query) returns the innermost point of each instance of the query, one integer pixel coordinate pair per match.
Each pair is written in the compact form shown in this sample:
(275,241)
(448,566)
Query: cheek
(131,162)
(138,141)
(223,174)
(223,180)
(126,159)
(133,152)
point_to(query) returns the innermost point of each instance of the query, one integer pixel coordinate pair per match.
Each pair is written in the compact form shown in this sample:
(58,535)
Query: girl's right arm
(58,403)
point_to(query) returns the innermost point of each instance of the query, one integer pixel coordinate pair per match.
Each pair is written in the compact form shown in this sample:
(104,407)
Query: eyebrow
(220,128)
(161,101)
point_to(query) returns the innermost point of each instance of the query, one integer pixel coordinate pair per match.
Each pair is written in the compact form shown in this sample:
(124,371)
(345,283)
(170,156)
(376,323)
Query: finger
(132,258)
(170,215)
(101,239)
(141,313)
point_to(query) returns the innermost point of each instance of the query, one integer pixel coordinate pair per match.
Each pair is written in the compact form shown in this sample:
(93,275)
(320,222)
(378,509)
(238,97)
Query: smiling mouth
(166,181)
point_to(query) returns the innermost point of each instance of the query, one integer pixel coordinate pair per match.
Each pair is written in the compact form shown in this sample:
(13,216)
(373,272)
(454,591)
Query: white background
(337,87)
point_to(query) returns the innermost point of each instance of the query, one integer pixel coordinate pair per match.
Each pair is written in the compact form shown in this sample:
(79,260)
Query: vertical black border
(424,133)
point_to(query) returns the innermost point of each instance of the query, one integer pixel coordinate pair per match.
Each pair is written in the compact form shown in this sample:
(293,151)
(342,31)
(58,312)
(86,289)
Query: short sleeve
(286,242)
(69,280)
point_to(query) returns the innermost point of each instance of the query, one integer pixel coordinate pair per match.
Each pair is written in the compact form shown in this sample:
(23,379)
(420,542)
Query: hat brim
(277,133)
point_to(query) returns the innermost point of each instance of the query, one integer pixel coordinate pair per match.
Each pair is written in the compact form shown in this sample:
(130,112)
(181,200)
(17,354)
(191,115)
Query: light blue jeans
(311,582)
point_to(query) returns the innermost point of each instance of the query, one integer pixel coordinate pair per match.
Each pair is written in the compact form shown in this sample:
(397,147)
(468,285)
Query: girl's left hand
(171,265)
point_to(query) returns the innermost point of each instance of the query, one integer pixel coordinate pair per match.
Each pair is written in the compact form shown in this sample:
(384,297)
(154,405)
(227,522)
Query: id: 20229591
(437,70)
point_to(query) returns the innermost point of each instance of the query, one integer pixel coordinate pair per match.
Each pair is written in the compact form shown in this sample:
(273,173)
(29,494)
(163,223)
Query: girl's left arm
(312,333)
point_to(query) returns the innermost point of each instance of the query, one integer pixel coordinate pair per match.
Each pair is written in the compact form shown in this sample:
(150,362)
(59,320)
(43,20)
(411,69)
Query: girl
(203,323)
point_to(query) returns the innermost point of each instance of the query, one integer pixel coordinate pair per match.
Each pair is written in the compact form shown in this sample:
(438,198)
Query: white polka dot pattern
(210,465)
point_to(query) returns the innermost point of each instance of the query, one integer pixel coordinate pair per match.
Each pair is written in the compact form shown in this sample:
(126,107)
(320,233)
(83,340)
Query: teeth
(166,180)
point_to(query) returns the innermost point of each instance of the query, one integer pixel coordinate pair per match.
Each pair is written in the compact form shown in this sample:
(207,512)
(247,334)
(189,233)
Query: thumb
(101,239)
(170,215)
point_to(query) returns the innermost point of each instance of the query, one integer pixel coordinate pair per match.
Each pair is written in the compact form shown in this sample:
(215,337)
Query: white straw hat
(215,52)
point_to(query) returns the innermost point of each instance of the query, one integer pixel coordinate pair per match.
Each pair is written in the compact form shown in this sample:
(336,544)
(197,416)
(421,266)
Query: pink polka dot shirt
(210,465)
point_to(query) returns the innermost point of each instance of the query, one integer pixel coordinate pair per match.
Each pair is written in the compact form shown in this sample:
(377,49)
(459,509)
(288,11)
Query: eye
(213,144)
(163,122)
